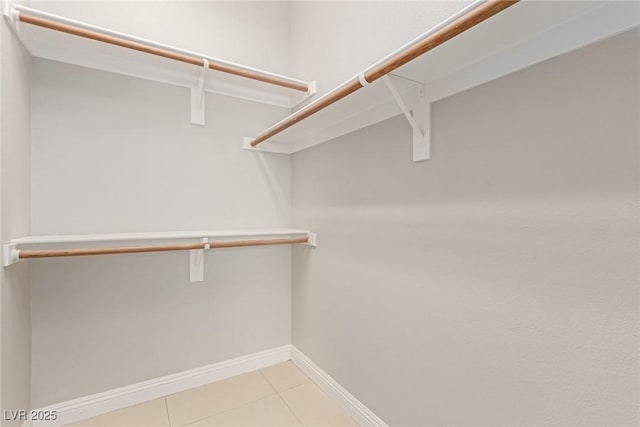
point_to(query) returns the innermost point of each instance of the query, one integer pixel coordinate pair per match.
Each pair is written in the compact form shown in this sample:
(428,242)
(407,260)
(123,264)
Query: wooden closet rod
(217,65)
(412,50)
(25,254)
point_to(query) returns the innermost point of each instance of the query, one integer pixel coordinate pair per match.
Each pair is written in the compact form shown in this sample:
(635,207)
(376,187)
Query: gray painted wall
(117,154)
(254,33)
(496,284)
(361,32)
(15,321)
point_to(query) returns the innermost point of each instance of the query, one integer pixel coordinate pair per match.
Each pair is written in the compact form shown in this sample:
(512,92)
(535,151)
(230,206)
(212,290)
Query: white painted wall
(332,41)
(114,154)
(493,285)
(253,33)
(15,321)
(496,284)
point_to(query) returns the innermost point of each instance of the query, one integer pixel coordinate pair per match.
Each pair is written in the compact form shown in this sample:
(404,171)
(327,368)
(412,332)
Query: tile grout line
(290,409)
(309,380)
(268,382)
(226,410)
(355,423)
(281,398)
(274,391)
(166,408)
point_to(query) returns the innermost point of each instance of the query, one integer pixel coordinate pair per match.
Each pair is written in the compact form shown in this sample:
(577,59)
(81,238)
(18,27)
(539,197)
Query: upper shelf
(358,110)
(519,36)
(66,40)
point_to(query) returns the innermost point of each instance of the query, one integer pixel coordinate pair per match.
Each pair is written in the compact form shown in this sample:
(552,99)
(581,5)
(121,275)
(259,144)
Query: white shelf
(365,107)
(59,46)
(518,37)
(196,242)
(523,35)
(32,241)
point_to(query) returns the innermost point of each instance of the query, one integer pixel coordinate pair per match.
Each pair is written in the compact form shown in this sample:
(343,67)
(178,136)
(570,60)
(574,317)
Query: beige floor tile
(270,411)
(151,413)
(314,408)
(284,376)
(211,399)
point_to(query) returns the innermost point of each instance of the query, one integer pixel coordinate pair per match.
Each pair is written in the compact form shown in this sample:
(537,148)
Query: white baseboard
(356,409)
(100,403)
(111,400)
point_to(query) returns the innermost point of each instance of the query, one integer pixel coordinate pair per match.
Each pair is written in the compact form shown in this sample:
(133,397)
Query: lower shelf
(34,247)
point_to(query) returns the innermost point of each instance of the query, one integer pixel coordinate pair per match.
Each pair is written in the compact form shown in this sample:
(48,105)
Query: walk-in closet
(320,213)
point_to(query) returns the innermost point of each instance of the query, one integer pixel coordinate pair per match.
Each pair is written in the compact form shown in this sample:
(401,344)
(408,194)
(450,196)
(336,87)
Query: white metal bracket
(198,96)
(420,122)
(363,80)
(313,242)
(196,262)
(311,91)
(272,146)
(10,255)
(9,11)
(12,16)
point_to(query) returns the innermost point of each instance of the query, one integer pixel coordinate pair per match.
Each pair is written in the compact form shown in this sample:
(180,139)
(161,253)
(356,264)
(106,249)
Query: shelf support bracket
(311,91)
(10,254)
(12,16)
(198,98)
(196,262)
(421,131)
(10,12)
(313,242)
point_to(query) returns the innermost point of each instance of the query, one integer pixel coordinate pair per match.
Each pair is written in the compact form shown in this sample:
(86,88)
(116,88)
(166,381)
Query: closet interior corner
(339,213)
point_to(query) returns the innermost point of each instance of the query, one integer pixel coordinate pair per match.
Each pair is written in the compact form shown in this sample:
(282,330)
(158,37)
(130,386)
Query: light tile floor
(279,395)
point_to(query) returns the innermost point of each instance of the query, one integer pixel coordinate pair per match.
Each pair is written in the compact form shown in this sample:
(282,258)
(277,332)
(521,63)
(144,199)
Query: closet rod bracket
(311,89)
(197,96)
(272,147)
(196,262)
(313,242)
(10,254)
(419,119)
(10,12)
(12,16)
